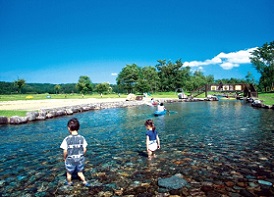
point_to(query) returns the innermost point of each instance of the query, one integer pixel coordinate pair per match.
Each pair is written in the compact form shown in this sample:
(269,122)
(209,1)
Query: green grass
(10,113)
(164,95)
(267,98)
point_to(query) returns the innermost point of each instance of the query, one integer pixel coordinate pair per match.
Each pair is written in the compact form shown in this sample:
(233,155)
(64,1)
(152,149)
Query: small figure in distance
(152,138)
(75,147)
(153,102)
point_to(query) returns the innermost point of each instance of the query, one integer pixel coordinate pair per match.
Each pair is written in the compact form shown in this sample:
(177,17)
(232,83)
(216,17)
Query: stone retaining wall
(44,114)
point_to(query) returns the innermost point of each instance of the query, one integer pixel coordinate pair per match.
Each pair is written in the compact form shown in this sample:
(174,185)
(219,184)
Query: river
(220,148)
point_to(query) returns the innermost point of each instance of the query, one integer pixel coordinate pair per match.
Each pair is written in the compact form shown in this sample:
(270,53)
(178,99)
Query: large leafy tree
(263,60)
(142,85)
(168,74)
(103,87)
(150,78)
(183,78)
(128,77)
(19,84)
(84,84)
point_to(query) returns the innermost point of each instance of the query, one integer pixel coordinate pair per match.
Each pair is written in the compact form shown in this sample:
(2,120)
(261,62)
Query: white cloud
(226,60)
(200,68)
(228,65)
(114,74)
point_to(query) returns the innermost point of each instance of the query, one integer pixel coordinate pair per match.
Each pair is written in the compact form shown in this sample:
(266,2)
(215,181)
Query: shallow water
(226,146)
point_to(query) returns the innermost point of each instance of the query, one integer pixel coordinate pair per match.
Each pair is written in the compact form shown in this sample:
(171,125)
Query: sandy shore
(33,105)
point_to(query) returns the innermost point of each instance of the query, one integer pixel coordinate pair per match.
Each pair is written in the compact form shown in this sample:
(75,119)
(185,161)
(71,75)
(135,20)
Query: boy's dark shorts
(75,165)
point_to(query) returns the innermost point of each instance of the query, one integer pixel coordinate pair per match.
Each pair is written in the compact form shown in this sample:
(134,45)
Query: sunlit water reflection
(204,141)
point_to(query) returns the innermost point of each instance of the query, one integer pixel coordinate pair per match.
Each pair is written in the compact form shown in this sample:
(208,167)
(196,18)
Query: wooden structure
(248,90)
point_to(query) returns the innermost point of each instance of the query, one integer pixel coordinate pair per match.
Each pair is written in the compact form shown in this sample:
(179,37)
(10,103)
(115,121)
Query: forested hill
(36,88)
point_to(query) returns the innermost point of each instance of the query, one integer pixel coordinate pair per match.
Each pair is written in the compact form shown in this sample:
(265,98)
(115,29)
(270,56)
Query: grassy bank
(10,113)
(267,98)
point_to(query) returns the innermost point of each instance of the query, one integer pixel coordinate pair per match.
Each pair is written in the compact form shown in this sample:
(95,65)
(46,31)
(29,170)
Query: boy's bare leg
(82,177)
(69,178)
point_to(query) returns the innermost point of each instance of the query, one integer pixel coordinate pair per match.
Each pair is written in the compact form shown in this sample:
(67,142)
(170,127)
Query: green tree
(150,79)
(103,87)
(84,85)
(263,60)
(198,79)
(249,78)
(128,77)
(168,74)
(19,84)
(57,88)
(142,85)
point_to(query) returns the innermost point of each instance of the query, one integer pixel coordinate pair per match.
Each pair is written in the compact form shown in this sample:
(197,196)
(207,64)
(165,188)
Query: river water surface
(220,148)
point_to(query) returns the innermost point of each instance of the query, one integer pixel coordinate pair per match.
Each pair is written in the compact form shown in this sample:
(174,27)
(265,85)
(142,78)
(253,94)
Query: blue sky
(57,41)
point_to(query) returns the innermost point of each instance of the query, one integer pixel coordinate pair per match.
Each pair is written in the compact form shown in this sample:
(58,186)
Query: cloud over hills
(226,60)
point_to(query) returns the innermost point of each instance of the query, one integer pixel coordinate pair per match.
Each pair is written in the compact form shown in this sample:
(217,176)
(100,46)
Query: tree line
(84,87)
(132,79)
(164,76)
(168,76)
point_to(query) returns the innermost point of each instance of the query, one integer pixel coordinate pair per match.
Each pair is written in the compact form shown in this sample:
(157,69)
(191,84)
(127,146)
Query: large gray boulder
(32,115)
(18,120)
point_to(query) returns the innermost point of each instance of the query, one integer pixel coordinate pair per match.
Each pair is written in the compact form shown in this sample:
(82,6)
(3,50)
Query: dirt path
(32,105)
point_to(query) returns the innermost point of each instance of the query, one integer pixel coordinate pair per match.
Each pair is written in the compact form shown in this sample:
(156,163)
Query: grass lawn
(267,98)
(10,113)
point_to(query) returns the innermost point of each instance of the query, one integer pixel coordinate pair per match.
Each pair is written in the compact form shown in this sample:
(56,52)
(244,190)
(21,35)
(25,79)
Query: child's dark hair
(150,123)
(73,124)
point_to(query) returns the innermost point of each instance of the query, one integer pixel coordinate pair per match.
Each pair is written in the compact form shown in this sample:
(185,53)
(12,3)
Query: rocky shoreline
(44,114)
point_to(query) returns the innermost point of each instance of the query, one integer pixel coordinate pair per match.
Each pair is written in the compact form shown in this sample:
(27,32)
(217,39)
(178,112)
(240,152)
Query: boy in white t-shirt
(75,147)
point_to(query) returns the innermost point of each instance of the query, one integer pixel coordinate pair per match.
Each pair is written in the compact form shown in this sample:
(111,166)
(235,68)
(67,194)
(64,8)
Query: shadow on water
(142,154)
(222,147)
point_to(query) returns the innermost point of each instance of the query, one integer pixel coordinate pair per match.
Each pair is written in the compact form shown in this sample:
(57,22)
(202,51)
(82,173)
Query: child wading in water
(152,138)
(74,146)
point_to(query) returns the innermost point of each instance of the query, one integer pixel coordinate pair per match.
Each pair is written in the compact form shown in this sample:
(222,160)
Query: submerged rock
(174,182)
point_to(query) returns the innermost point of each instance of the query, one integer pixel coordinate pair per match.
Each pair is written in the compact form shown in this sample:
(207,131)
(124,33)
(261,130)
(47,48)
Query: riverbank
(34,105)
(52,108)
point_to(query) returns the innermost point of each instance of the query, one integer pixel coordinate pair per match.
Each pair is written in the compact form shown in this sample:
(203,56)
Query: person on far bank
(74,148)
(152,138)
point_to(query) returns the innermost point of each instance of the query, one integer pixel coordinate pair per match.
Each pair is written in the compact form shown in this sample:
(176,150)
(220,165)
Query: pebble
(263,182)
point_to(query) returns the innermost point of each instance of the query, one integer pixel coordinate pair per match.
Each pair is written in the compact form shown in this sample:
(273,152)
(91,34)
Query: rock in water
(174,182)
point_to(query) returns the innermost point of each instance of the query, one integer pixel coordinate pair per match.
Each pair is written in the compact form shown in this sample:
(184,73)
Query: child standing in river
(75,147)
(152,138)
